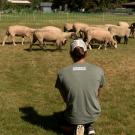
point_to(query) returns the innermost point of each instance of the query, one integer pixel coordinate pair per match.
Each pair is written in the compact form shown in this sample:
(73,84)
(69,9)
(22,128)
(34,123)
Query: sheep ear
(64,41)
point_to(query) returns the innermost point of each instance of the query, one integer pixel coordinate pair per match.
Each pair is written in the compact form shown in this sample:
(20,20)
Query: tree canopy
(75,5)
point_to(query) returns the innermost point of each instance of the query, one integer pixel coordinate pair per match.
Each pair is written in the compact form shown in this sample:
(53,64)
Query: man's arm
(58,85)
(102,82)
(99,92)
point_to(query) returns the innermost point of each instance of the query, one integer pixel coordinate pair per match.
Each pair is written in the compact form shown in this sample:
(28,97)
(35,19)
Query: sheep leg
(31,40)
(134,34)
(99,47)
(13,38)
(5,38)
(125,40)
(30,48)
(22,40)
(41,44)
(105,45)
(88,43)
(44,44)
(90,46)
(58,46)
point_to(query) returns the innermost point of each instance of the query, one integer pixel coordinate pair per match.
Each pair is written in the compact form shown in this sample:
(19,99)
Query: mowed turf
(28,98)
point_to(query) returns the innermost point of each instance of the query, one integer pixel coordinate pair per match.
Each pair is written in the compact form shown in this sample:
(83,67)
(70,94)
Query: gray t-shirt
(80,83)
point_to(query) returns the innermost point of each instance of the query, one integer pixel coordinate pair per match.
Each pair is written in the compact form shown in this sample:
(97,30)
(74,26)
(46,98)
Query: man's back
(80,82)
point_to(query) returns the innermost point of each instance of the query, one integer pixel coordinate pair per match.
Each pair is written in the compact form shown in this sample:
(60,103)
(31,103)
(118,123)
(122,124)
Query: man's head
(78,50)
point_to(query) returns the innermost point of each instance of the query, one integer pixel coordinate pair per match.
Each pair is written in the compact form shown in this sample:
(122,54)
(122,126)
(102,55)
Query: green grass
(28,98)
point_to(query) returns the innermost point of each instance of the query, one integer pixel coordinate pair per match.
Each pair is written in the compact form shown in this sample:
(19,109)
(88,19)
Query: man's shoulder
(88,66)
(65,69)
(94,66)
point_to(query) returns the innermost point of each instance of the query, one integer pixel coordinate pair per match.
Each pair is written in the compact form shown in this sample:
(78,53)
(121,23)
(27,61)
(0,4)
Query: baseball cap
(78,43)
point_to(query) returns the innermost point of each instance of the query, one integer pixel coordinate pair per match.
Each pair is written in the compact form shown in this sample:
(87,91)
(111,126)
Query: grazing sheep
(102,37)
(120,31)
(90,28)
(132,30)
(121,23)
(77,27)
(100,26)
(57,37)
(108,25)
(18,30)
(68,27)
(51,28)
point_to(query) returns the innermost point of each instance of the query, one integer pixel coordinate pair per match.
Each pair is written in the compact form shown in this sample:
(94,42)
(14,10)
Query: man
(80,85)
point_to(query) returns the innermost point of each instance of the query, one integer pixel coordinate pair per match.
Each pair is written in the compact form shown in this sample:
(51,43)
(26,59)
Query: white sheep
(105,27)
(57,37)
(90,28)
(18,30)
(52,28)
(102,37)
(121,23)
(77,27)
(68,27)
(120,31)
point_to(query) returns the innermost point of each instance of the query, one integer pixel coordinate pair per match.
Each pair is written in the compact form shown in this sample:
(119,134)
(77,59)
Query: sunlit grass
(28,98)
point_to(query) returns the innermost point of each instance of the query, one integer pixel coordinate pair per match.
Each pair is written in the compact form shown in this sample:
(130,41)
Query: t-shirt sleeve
(102,82)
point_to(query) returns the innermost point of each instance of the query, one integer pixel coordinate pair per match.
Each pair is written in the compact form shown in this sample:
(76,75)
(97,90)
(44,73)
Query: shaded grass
(28,97)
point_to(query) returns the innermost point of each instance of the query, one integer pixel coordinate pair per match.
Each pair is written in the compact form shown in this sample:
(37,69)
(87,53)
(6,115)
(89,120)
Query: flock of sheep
(103,35)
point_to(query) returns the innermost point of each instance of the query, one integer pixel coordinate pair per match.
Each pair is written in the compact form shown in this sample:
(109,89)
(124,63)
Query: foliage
(74,5)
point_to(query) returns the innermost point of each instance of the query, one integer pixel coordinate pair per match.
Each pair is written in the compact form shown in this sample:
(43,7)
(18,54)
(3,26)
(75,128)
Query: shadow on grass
(45,50)
(50,122)
(17,43)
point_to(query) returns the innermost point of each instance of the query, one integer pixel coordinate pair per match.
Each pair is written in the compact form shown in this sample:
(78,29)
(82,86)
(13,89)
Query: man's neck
(82,61)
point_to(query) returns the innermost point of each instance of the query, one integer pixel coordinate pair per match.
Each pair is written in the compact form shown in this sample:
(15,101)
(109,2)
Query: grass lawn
(28,99)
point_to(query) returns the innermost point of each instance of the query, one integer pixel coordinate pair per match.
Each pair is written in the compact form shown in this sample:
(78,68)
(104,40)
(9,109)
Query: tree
(2,4)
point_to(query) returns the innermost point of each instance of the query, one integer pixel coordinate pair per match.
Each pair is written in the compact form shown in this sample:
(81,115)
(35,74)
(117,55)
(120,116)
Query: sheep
(120,31)
(121,23)
(100,36)
(108,25)
(90,28)
(57,37)
(18,30)
(77,27)
(100,26)
(68,27)
(51,28)
(132,30)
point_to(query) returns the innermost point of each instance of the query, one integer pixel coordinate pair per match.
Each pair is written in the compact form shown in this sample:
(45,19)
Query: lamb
(100,36)
(18,30)
(68,27)
(120,31)
(59,38)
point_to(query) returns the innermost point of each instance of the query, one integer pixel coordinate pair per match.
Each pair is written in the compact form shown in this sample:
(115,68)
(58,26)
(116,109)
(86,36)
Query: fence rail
(38,19)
